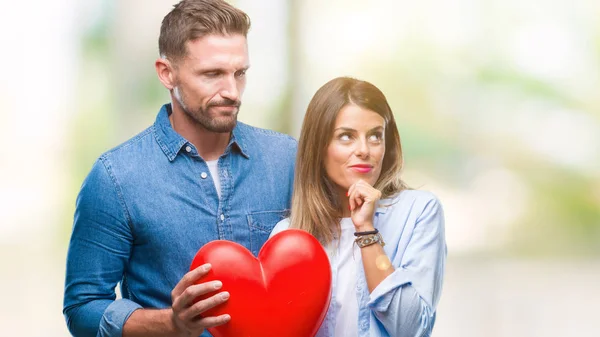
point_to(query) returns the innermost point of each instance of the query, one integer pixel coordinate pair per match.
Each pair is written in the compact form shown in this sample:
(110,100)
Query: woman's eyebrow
(344,128)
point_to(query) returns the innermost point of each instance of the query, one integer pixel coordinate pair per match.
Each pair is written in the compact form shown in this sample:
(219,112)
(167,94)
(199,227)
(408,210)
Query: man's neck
(210,145)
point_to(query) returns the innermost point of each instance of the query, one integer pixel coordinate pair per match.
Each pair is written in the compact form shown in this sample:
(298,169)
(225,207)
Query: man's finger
(192,292)
(189,278)
(208,303)
(209,322)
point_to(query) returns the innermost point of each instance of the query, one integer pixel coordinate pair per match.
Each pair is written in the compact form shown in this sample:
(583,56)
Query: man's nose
(230,89)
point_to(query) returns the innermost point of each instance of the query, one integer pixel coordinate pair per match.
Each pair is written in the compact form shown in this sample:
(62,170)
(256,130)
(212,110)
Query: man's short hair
(192,19)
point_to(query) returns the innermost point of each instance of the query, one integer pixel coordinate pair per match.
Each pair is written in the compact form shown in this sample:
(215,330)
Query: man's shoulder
(123,159)
(131,148)
(251,133)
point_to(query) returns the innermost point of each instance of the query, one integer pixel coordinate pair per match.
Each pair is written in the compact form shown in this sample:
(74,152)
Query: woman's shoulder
(410,201)
(412,207)
(280,226)
(411,197)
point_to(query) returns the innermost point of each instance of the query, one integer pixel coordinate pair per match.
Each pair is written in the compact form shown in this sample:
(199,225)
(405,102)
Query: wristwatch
(369,239)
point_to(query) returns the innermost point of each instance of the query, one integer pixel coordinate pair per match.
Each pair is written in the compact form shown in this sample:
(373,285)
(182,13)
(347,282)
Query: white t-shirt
(348,254)
(213,167)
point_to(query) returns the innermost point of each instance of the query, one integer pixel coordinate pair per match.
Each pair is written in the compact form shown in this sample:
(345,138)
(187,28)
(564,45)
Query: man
(195,176)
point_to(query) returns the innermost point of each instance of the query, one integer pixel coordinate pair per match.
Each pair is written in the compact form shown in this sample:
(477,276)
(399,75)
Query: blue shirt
(404,303)
(148,205)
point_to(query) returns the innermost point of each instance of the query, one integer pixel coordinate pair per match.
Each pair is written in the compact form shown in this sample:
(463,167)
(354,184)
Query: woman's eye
(344,137)
(375,137)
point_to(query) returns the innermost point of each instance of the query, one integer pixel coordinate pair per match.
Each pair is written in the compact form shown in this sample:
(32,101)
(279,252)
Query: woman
(385,242)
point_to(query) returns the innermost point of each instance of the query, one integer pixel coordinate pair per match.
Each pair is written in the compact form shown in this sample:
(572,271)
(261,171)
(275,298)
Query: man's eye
(241,73)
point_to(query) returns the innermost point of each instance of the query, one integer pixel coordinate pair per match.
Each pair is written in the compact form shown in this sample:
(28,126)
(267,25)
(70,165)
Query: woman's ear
(164,70)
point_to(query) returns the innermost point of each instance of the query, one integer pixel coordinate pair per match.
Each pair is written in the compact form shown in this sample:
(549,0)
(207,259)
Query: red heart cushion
(285,292)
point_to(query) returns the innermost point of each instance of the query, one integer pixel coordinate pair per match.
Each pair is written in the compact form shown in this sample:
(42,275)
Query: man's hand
(185,313)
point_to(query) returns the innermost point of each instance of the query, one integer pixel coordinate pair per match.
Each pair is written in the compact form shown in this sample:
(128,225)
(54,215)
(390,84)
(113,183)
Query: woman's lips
(362,168)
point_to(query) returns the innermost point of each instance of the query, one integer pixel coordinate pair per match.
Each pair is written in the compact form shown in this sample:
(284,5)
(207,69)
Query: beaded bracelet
(367,240)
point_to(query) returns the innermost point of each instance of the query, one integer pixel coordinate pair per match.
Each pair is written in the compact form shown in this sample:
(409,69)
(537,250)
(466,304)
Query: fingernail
(227,317)
(206,267)
(224,295)
(217,284)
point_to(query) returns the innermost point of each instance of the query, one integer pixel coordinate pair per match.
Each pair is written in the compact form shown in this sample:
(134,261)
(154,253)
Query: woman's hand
(362,199)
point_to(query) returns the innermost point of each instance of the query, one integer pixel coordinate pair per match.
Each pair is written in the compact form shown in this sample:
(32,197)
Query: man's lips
(226,108)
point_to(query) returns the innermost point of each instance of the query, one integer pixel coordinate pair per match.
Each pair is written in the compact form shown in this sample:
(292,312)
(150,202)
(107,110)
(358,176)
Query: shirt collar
(239,139)
(171,142)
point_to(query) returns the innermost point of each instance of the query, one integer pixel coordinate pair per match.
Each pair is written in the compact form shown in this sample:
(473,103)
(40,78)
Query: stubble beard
(221,124)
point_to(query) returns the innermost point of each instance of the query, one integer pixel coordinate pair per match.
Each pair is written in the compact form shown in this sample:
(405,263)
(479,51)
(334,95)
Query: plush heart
(285,292)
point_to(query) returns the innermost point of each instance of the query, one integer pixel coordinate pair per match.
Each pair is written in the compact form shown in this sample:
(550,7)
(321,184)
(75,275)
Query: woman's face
(356,148)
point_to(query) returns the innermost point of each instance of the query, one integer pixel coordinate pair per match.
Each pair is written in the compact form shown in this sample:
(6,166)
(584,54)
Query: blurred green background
(497,102)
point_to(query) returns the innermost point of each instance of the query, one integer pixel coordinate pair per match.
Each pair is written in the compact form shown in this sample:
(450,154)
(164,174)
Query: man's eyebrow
(201,70)
(208,70)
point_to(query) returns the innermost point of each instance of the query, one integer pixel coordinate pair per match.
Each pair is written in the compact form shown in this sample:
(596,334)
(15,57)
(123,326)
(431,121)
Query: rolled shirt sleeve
(114,317)
(405,301)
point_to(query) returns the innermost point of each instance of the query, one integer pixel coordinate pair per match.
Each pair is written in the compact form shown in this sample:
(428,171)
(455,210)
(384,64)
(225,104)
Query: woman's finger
(368,192)
(351,199)
(358,197)
(351,193)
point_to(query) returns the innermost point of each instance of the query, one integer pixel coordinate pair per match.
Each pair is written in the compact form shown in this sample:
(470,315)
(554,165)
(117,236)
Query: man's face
(210,80)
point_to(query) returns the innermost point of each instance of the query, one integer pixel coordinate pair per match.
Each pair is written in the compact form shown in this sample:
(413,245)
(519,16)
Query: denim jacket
(148,205)
(404,303)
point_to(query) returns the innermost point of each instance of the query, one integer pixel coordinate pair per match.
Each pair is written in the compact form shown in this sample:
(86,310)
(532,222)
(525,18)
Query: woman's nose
(362,149)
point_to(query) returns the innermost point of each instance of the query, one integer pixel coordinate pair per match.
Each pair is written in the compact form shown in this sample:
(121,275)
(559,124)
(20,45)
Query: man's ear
(164,70)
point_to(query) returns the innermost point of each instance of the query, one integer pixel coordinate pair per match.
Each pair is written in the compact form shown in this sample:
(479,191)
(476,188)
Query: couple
(197,175)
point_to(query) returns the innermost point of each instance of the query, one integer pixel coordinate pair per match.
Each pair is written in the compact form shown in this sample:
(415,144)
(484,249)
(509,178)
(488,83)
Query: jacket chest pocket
(261,224)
